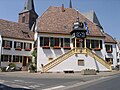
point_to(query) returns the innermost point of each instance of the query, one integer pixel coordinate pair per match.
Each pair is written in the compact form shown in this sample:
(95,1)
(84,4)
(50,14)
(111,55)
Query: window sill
(46,47)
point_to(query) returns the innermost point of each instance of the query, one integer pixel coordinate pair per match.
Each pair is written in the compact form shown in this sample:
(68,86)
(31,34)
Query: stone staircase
(70,53)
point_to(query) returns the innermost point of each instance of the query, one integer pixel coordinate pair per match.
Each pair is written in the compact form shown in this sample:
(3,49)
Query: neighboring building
(17,39)
(58,51)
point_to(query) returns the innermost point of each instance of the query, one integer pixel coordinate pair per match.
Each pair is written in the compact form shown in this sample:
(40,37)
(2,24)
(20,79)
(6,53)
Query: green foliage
(3,69)
(32,67)
(34,53)
(12,65)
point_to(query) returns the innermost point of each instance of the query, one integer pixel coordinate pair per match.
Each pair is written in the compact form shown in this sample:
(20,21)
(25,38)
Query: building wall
(43,56)
(0,48)
(72,64)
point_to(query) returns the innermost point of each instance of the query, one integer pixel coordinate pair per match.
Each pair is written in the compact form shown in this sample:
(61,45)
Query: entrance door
(24,61)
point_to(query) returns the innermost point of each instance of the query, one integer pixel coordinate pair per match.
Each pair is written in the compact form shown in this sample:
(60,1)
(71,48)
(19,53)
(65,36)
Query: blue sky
(108,11)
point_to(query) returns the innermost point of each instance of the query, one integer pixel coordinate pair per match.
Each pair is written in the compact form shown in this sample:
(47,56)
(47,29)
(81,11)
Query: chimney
(63,8)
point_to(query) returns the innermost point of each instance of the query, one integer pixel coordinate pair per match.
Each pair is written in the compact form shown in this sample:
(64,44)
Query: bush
(12,65)
(3,69)
(32,67)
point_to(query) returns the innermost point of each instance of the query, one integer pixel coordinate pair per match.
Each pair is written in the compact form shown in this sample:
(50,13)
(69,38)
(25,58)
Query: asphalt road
(110,83)
(26,81)
(21,83)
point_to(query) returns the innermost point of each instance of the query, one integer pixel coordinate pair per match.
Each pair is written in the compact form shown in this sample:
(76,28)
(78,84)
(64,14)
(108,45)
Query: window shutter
(21,45)
(30,45)
(14,44)
(52,42)
(41,41)
(61,42)
(3,44)
(11,44)
(24,45)
(101,44)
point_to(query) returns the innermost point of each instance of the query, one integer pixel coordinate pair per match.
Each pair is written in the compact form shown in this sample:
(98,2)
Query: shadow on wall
(97,67)
(5,87)
(48,52)
(99,53)
(58,52)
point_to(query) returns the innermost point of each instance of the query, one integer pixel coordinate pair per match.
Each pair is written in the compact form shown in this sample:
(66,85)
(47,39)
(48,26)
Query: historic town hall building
(66,40)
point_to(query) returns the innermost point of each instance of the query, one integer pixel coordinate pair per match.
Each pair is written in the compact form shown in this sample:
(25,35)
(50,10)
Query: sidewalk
(56,75)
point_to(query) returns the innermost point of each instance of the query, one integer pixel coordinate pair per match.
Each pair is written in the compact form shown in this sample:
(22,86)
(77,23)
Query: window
(27,46)
(108,48)
(7,44)
(23,19)
(46,41)
(66,43)
(17,59)
(94,44)
(57,42)
(18,45)
(109,60)
(80,62)
(117,60)
(6,58)
(88,43)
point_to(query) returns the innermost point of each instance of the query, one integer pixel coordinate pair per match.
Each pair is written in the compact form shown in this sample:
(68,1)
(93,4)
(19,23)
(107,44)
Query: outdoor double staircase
(72,52)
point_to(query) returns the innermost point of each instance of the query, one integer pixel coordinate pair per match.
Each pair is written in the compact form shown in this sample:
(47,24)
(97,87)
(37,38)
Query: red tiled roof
(56,21)
(10,29)
(109,39)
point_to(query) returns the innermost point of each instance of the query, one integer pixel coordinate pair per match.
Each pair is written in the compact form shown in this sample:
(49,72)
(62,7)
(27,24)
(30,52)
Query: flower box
(6,47)
(46,47)
(19,49)
(56,47)
(27,49)
(109,51)
(67,47)
(97,49)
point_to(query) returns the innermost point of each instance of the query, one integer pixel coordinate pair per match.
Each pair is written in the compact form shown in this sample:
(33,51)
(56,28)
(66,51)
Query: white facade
(71,63)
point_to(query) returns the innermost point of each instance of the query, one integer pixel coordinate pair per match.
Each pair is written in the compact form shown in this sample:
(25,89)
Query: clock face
(80,34)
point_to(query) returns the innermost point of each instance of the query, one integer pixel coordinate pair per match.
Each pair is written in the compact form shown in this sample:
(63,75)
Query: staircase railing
(58,60)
